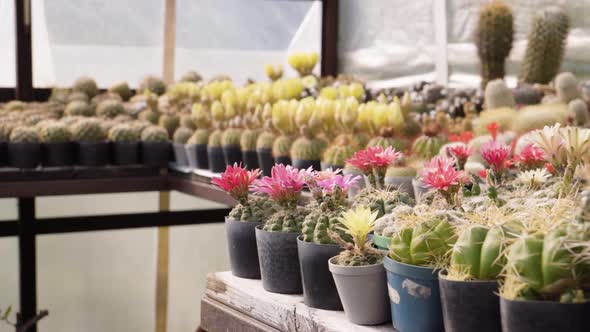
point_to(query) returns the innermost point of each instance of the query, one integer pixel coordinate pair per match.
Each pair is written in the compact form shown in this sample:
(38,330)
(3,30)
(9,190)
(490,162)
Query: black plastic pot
(58,154)
(155,154)
(216,160)
(92,154)
(232,154)
(470,305)
(265,160)
(319,289)
(24,155)
(325,166)
(125,153)
(243,253)
(180,154)
(283,160)
(3,153)
(197,156)
(250,159)
(304,164)
(279,261)
(533,316)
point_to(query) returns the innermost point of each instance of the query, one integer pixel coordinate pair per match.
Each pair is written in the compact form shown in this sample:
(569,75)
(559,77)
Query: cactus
(149,115)
(498,95)
(152,84)
(357,224)
(123,132)
(77,96)
(24,135)
(282,146)
(231,136)
(188,121)
(154,134)
(386,139)
(303,63)
(502,116)
(86,85)
(265,140)
(527,94)
(248,139)
(109,108)
(200,136)
(287,220)
(78,107)
(319,221)
(191,76)
(215,138)
(122,89)
(88,130)
(182,135)
(5,130)
(305,148)
(493,38)
(539,116)
(477,254)
(579,109)
(395,171)
(54,132)
(169,122)
(428,145)
(274,73)
(258,209)
(546,46)
(338,154)
(380,201)
(566,87)
(139,126)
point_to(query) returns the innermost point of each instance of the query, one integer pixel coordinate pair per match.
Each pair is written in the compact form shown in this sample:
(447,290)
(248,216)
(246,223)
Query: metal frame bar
(24,50)
(329,37)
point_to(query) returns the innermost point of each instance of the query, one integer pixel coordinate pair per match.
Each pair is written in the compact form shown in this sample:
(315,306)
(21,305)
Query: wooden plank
(163,263)
(169,41)
(283,312)
(216,317)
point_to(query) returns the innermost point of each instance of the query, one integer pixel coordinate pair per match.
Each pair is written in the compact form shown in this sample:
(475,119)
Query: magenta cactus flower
(530,157)
(339,183)
(284,186)
(373,162)
(460,152)
(236,181)
(439,173)
(495,155)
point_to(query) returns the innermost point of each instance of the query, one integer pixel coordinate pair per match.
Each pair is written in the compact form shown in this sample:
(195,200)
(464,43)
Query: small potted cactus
(251,211)
(109,108)
(5,129)
(57,146)
(155,146)
(248,141)
(24,148)
(181,137)
(214,150)
(91,143)
(125,144)
(308,148)
(348,142)
(358,271)
(78,108)
(277,238)
(283,119)
(170,122)
(196,149)
(230,145)
(264,144)
(122,89)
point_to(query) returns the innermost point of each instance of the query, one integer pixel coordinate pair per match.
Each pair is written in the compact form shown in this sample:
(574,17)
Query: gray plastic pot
(279,261)
(533,316)
(360,184)
(401,183)
(363,291)
(180,155)
(319,290)
(243,253)
(197,156)
(419,189)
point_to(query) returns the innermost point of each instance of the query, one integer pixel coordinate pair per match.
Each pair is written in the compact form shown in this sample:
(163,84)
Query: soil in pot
(363,291)
(180,155)
(401,183)
(279,261)
(283,160)
(243,253)
(232,154)
(265,161)
(24,155)
(216,160)
(197,156)
(304,164)
(471,305)
(125,153)
(414,297)
(155,154)
(319,289)
(93,154)
(58,154)
(250,159)
(529,316)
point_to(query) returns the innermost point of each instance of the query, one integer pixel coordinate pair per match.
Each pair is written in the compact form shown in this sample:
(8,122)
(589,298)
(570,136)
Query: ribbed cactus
(307,148)
(24,135)
(478,254)
(152,84)
(538,116)
(337,154)
(498,95)
(109,108)
(325,218)
(122,89)
(215,138)
(282,146)
(200,136)
(546,46)
(123,132)
(386,139)
(287,220)
(231,136)
(78,107)
(265,140)
(182,135)
(428,145)
(258,209)
(493,38)
(169,122)
(54,132)
(88,130)
(86,85)
(154,134)
(248,139)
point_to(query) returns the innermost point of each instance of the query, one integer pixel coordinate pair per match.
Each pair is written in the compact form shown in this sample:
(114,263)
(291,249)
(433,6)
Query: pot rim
(312,244)
(229,146)
(413,271)
(259,229)
(354,270)
(228,218)
(125,143)
(443,273)
(543,303)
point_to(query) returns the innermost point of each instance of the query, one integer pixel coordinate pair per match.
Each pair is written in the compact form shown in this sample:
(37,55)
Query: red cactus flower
(284,186)
(483,173)
(440,173)
(360,160)
(460,152)
(464,137)
(550,168)
(495,154)
(236,181)
(374,157)
(493,129)
(530,157)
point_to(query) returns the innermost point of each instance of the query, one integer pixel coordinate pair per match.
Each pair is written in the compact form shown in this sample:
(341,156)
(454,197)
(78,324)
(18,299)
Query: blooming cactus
(477,253)
(358,223)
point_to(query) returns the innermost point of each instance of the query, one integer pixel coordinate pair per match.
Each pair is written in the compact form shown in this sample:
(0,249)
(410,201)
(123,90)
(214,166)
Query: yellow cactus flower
(358,223)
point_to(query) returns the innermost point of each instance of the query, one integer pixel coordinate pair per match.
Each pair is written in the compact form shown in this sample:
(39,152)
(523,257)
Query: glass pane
(109,42)
(386,39)
(237,38)
(7,46)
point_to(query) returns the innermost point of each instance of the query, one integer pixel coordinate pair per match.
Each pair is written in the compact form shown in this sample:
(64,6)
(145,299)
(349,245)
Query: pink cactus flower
(236,181)
(531,157)
(284,186)
(464,137)
(440,173)
(460,152)
(374,157)
(495,155)
(341,182)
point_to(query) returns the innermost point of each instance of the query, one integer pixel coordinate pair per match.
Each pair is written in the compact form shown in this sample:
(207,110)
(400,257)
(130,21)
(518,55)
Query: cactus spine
(88,130)
(24,135)
(54,133)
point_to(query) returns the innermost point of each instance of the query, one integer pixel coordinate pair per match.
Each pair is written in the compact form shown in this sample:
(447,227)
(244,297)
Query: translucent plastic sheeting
(7,46)
(110,41)
(237,38)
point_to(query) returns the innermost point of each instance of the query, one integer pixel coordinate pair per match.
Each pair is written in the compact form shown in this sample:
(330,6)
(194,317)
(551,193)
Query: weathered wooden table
(236,304)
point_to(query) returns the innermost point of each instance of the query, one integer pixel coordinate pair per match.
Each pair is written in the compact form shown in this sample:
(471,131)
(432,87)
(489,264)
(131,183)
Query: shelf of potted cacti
(196,147)
(214,149)
(277,238)
(283,120)
(249,138)
(250,212)
(344,145)
(57,146)
(91,142)
(180,139)
(315,246)
(358,271)
(155,146)
(125,144)
(24,148)
(307,149)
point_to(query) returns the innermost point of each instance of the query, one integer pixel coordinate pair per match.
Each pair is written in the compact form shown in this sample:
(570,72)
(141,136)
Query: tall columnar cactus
(546,45)
(477,254)
(493,38)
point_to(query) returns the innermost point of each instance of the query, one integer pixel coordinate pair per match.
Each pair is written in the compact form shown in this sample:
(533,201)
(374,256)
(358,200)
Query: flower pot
(125,153)
(250,159)
(265,160)
(414,295)
(3,153)
(155,154)
(319,289)
(304,164)
(470,305)
(401,183)
(180,154)
(325,166)
(93,154)
(279,261)
(283,160)
(382,242)
(528,316)
(360,184)
(232,154)
(419,189)
(197,155)
(57,154)
(24,155)
(243,253)
(363,291)
(216,160)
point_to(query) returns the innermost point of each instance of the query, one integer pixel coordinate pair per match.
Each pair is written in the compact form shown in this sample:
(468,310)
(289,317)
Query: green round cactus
(77,96)
(383,141)
(566,87)
(265,140)
(498,95)
(191,76)
(282,146)
(139,126)
(78,107)
(546,46)
(287,220)
(186,120)
(478,254)
(427,146)
(169,122)
(149,115)
(182,135)
(109,108)
(248,139)
(325,218)
(86,85)
(493,38)
(88,130)
(538,116)
(231,136)
(24,135)
(154,134)
(338,154)
(307,148)
(200,136)
(380,201)
(123,133)
(152,84)
(215,138)
(259,209)
(54,132)
(122,89)
(579,109)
